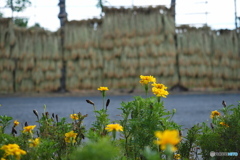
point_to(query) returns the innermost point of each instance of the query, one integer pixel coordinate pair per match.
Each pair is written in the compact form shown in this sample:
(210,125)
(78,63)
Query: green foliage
(4,122)
(98,127)
(150,154)
(188,146)
(141,118)
(221,138)
(18,5)
(101,121)
(21,22)
(103,149)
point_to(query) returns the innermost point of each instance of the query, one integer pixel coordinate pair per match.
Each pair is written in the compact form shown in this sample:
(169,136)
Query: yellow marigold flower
(147,79)
(167,137)
(160,92)
(159,86)
(177,156)
(103,88)
(34,142)
(114,127)
(28,129)
(74,116)
(224,124)
(16,123)
(70,137)
(14,150)
(214,113)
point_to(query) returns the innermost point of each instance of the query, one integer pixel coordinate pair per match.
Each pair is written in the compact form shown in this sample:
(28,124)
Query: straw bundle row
(6,86)
(123,24)
(26,85)
(226,44)
(7,37)
(6,75)
(46,65)
(26,64)
(48,86)
(201,82)
(20,75)
(193,42)
(169,24)
(196,59)
(7,64)
(82,35)
(36,43)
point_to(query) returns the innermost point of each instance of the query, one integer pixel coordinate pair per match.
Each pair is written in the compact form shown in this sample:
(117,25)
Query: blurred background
(67,45)
(218,14)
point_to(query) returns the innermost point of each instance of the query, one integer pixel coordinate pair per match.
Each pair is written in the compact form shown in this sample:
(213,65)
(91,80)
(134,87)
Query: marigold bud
(224,104)
(35,112)
(107,103)
(90,102)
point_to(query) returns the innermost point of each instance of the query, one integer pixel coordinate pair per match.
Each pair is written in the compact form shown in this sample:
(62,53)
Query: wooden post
(173,9)
(63,18)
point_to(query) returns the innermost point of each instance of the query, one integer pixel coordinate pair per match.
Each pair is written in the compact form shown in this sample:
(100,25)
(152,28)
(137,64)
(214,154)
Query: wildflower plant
(223,134)
(141,118)
(103,90)
(102,118)
(145,132)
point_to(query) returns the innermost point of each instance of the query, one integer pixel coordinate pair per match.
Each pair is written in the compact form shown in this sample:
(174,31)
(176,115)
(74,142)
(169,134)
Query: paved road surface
(191,108)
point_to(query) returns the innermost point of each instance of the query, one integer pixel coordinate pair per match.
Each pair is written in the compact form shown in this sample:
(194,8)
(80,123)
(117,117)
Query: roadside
(115,92)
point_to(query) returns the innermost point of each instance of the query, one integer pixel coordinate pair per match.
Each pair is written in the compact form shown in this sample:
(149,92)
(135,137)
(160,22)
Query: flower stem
(114,135)
(146,89)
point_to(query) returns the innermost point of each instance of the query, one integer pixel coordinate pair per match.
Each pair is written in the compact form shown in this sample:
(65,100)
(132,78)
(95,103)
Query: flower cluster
(214,114)
(167,137)
(147,79)
(14,150)
(74,116)
(15,123)
(34,142)
(159,90)
(224,124)
(70,137)
(28,129)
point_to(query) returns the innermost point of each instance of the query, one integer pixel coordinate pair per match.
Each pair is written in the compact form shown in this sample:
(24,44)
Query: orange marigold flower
(147,79)
(74,116)
(28,129)
(103,88)
(177,156)
(168,137)
(159,86)
(214,114)
(16,123)
(70,137)
(224,124)
(14,150)
(34,142)
(114,127)
(160,92)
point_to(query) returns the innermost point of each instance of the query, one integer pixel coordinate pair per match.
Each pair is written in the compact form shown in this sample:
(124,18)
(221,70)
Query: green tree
(17,5)
(101,4)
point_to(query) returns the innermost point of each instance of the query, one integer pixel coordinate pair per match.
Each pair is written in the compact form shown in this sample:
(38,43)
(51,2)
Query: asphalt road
(191,108)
